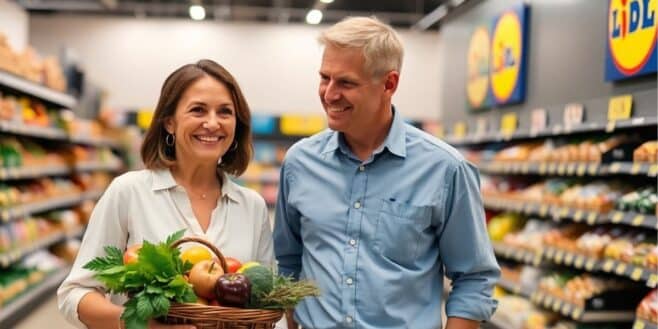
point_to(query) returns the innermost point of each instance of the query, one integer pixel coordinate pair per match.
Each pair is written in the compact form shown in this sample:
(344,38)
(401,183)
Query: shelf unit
(36,90)
(24,304)
(8,258)
(548,257)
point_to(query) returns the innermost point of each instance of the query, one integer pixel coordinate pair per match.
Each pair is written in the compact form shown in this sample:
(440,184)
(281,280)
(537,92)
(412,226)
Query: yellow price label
(556,305)
(566,309)
(564,212)
(637,220)
(593,168)
(582,168)
(636,274)
(558,256)
(639,324)
(577,312)
(525,168)
(617,217)
(653,170)
(552,168)
(543,210)
(301,125)
(579,261)
(608,265)
(635,168)
(614,168)
(144,118)
(621,269)
(561,168)
(508,124)
(568,259)
(578,216)
(590,264)
(619,107)
(542,168)
(571,168)
(653,280)
(591,218)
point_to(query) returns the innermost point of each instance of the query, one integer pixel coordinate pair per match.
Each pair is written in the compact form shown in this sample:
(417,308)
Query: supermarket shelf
(34,89)
(576,312)
(98,166)
(10,257)
(9,214)
(32,131)
(559,213)
(23,305)
(95,141)
(556,130)
(514,288)
(33,172)
(644,324)
(578,261)
(570,169)
(524,256)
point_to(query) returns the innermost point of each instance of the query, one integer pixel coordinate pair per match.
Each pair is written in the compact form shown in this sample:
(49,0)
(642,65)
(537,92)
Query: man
(376,211)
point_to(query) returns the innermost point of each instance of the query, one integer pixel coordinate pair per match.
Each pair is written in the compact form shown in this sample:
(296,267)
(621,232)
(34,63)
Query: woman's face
(204,122)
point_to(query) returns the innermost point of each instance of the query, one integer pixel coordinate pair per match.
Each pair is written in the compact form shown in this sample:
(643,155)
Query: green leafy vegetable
(152,283)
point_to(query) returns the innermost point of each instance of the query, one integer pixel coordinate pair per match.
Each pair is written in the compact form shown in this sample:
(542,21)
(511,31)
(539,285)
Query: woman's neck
(197,177)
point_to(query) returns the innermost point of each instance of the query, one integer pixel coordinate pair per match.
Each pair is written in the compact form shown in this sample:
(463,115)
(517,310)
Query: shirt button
(348,319)
(357,205)
(352,242)
(349,281)
(362,168)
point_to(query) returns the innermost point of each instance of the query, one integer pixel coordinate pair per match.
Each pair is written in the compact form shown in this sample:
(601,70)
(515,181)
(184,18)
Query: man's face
(352,99)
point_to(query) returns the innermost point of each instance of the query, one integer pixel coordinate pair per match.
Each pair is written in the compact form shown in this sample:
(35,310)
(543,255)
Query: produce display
(157,276)
(30,272)
(647,152)
(577,288)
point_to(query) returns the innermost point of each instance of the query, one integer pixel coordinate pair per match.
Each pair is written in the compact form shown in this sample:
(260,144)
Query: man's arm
(460,323)
(287,240)
(466,251)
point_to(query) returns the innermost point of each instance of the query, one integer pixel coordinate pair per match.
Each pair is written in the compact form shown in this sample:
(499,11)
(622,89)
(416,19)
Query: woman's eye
(196,109)
(225,111)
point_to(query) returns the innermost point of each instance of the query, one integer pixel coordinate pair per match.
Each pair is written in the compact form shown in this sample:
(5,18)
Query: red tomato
(232,264)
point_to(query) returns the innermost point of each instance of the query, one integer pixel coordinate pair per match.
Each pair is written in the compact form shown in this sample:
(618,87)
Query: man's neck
(366,141)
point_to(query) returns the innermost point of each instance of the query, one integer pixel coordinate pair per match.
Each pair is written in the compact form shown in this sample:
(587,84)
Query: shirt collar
(164,180)
(395,141)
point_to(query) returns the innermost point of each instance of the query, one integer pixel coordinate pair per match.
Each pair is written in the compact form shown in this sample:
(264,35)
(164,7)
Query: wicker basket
(219,317)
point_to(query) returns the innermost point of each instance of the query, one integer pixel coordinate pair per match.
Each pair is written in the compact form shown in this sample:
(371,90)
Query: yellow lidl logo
(477,83)
(631,38)
(508,49)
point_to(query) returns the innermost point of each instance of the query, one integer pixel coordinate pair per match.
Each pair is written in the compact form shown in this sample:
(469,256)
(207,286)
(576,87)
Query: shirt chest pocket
(400,230)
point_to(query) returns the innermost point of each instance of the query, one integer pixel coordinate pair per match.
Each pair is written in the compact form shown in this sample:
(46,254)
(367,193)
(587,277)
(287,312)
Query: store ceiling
(399,13)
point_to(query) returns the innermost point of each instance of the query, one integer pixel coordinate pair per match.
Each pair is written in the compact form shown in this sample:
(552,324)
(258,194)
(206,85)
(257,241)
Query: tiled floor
(45,316)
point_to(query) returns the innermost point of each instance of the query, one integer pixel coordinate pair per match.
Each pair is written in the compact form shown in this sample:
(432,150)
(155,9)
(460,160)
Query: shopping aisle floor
(45,316)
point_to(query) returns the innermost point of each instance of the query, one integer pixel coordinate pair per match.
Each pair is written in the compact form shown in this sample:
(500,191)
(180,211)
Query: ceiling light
(314,17)
(197,12)
(456,3)
(326,1)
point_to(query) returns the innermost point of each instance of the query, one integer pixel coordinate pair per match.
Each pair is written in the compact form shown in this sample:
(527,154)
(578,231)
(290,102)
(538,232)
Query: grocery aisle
(45,316)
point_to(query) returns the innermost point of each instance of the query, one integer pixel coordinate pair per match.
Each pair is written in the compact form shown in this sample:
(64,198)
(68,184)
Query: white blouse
(150,205)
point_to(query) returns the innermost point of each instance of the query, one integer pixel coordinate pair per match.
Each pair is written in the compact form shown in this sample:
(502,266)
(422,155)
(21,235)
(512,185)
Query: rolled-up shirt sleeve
(106,227)
(465,248)
(287,240)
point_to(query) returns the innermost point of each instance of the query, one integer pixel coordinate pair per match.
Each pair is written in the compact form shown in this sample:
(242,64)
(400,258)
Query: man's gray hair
(381,45)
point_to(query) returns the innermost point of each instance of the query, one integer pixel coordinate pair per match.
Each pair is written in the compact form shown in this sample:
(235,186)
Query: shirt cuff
(69,306)
(471,307)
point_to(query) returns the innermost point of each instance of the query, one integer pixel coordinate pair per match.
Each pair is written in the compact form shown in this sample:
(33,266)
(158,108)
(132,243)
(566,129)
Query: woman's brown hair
(155,154)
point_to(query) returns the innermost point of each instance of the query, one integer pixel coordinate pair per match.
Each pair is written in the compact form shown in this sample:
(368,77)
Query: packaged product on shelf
(503,224)
(642,201)
(647,152)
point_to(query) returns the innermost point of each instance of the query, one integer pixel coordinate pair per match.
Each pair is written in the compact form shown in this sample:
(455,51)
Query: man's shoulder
(314,144)
(432,146)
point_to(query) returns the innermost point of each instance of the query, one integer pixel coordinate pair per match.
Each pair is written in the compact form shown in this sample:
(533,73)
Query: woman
(199,134)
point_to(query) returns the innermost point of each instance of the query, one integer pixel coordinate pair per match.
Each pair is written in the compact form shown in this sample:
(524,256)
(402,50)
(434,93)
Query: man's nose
(331,93)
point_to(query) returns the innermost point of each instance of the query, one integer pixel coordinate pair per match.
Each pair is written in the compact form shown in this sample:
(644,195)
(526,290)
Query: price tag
(548,301)
(608,265)
(562,168)
(621,269)
(542,168)
(543,210)
(459,130)
(619,107)
(617,217)
(550,252)
(557,304)
(589,265)
(582,169)
(593,169)
(566,309)
(577,312)
(525,168)
(537,259)
(635,169)
(568,259)
(653,280)
(508,124)
(579,262)
(571,168)
(558,256)
(552,168)
(301,125)
(573,115)
(636,274)
(638,220)
(577,216)
(564,212)
(614,168)
(653,170)
(538,121)
(639,324)
(591,218)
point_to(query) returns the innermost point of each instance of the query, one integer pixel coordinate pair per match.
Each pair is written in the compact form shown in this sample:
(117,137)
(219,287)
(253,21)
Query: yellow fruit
(195,254)
(247,265)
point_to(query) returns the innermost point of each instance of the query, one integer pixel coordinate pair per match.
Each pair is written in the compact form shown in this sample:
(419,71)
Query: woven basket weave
(219,317)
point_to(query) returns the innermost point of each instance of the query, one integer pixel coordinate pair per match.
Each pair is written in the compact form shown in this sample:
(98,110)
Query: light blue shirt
(378,236)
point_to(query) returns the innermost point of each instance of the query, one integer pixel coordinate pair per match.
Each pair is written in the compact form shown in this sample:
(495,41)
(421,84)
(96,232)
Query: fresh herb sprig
(287,293)
(152,283)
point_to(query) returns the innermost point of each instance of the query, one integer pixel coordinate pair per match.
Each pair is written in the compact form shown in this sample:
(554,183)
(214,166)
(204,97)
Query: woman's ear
(169,125)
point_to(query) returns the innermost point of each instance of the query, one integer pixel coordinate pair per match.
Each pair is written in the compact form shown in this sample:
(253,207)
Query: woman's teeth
(209,139)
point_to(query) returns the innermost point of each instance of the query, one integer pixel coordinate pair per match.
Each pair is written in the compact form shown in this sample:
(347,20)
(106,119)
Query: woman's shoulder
(135,180)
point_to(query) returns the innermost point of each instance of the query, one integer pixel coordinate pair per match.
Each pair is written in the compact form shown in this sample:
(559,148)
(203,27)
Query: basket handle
(215,250)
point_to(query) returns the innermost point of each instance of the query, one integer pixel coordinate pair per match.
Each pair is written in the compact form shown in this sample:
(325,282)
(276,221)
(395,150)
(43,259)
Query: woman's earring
(235,146)
(170,139)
